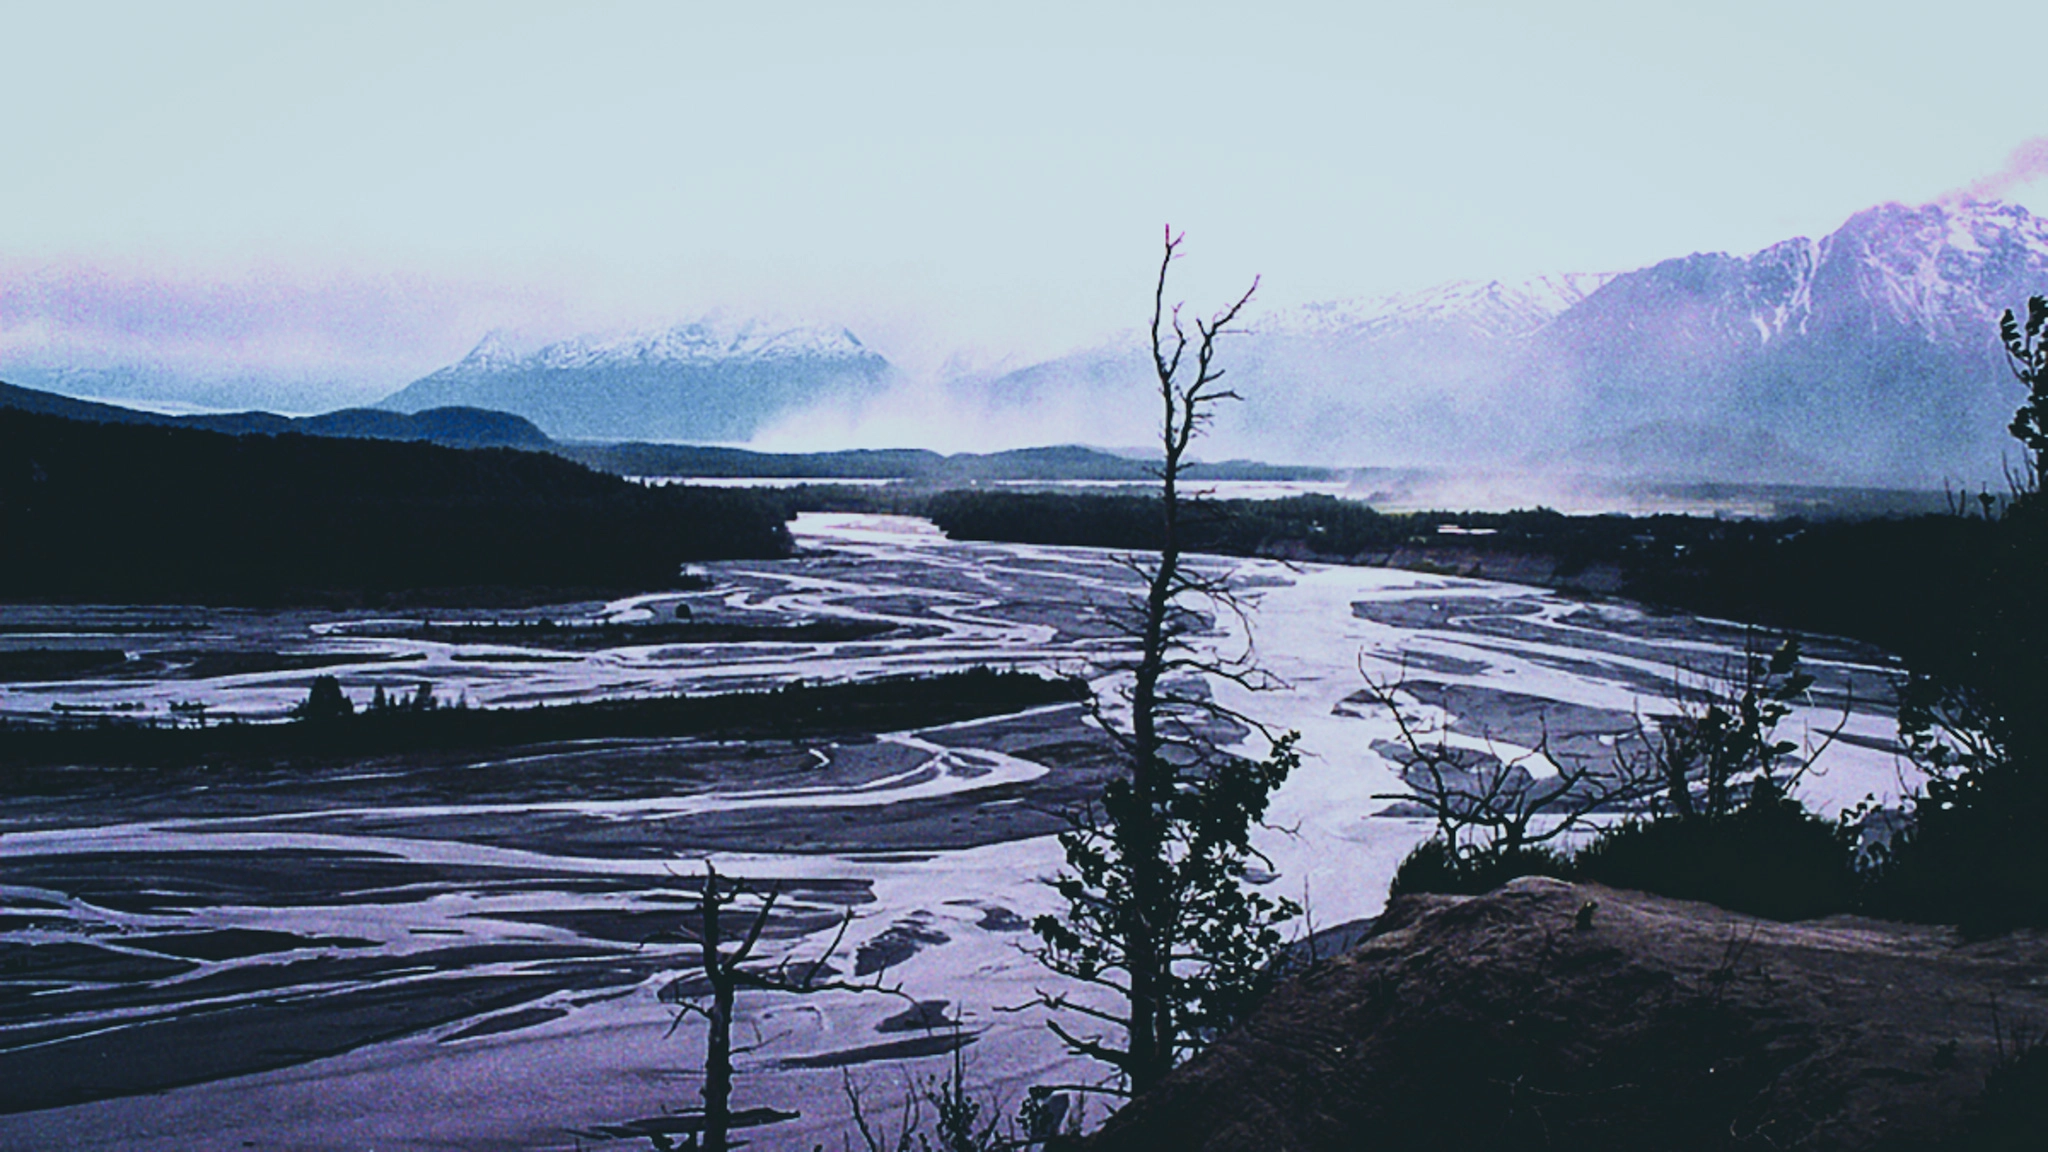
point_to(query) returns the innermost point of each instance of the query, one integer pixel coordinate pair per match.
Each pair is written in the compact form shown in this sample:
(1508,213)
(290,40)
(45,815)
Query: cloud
(956,415)
(2028,163)
(350,335)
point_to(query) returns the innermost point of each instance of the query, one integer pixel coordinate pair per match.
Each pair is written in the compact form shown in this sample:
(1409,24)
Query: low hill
(1061,462)
(455,427)
(1499,1022)
(145,513)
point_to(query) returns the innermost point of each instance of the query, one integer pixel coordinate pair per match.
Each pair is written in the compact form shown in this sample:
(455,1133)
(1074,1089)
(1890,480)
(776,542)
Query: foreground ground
(1514,1021)
(483,952)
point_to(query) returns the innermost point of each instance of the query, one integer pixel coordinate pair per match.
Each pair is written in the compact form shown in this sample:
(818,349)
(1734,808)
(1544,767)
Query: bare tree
(726,972)
(1158,911)
(1696,764)
(958,1123)
(1491,809)
(1723,740)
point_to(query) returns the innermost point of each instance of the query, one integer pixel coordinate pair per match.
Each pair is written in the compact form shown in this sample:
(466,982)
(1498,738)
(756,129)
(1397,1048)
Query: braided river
(487,952)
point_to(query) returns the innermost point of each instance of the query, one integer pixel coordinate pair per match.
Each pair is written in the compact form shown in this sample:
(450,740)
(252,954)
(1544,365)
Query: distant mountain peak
(711,379)
(706,340)
(1942,270)
(493,352)
(1494,307)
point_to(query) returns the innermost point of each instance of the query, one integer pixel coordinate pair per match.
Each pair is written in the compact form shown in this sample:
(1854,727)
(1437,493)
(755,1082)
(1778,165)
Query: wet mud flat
(835,613)
(1452,647)
(1661,655)
(221,923)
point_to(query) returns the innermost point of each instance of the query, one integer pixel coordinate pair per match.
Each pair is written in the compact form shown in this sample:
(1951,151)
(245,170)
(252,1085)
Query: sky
(350,195)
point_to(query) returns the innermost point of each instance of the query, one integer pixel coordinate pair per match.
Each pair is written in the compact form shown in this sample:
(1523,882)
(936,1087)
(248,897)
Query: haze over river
(454,952)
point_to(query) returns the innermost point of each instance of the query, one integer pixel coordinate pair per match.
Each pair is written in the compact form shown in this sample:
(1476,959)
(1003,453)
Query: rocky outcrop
(1571,1016)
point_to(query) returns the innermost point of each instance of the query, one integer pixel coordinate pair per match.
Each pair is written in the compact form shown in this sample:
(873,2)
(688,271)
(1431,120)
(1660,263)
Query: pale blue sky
(946,176)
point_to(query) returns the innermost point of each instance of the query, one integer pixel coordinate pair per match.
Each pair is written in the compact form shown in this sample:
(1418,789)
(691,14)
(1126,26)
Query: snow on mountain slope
(1872,350)
(1868,355)
(493,353)
(1400,379)
(1489,306)
(1940,271)
(701,381)
(703,342)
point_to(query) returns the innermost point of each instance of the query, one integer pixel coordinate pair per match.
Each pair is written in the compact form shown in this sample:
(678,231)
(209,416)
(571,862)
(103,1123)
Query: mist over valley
(1864,357)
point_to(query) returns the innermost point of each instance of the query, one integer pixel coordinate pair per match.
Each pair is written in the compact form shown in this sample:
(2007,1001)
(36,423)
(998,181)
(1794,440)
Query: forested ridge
(146,514)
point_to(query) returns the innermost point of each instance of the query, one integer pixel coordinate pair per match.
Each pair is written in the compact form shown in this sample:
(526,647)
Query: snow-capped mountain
(700,381)
(1412,378)
(1869,355)
(1873,350)
(1491,307)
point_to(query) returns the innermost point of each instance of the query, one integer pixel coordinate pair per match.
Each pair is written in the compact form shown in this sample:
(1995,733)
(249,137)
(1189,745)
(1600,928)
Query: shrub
(1770,857)
(2013,1112)
(1971,856)
(1432,867)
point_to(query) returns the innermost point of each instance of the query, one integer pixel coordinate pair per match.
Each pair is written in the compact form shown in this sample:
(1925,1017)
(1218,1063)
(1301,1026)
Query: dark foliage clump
(1973,718)
(1973,715)
(138,514)
(2012,1115)
(1432,867)
(1890,582)
(1711,783)
(1769,857)
(325,703)
(1322,525)
(1972,856)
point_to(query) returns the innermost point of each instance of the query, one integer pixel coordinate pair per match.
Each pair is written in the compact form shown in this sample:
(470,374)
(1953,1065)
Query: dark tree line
(1888,581)
(910,465)
(331,727)
(145,514)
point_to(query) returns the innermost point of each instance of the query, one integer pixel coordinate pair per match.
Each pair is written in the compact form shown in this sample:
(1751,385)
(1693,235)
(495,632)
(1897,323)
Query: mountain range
(701,381)
(1868,356)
